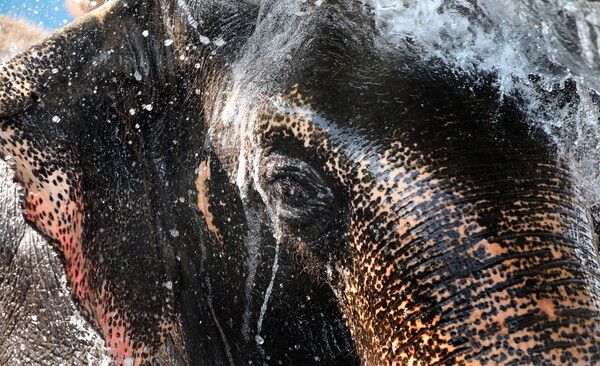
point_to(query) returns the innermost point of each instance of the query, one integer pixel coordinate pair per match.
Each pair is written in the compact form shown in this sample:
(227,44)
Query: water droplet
(132,111)
(168,42)
(204,40)
(145,33)
(259,340)
(56,119)
(174,233)
(168,285)
(219,42)
(137,75)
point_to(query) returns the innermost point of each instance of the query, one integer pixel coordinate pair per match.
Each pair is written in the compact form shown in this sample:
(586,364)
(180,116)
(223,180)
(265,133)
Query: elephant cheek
(52,202)
(54,205)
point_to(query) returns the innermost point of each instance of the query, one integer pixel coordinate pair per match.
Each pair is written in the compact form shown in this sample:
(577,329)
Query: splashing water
(546,52)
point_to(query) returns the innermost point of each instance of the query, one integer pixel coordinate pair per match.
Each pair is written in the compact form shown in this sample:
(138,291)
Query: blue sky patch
(48,14)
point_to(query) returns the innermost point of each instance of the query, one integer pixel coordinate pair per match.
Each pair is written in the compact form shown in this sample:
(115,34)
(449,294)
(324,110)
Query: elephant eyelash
(296,189)
(290,184)
(311,212)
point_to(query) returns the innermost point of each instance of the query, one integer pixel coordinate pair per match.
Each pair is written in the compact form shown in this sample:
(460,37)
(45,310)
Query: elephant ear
(74,112)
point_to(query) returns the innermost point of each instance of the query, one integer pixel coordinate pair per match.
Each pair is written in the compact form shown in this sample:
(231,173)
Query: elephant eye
(292,186)
(296,193)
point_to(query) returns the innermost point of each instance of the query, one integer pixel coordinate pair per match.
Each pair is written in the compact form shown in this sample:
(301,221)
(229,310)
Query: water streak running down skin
(265,304)
(546,52)
(252,243)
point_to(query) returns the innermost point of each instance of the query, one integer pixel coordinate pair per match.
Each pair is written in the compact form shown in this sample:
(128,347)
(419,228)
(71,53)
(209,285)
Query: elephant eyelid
(295,183)
(309,209)
(280,167)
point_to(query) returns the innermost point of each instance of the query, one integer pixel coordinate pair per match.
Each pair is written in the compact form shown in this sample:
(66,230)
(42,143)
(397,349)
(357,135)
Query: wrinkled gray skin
(265,182)
(39,320)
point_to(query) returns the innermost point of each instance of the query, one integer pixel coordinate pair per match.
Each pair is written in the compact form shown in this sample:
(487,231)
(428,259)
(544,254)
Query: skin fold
(269,182)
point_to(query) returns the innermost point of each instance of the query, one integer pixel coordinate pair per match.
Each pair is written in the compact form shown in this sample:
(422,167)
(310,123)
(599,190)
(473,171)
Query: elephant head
(269,182)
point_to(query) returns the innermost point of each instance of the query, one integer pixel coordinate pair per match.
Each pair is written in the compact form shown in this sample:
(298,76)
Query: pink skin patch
(62,220)
(54,205)
(58,213)
(116,336)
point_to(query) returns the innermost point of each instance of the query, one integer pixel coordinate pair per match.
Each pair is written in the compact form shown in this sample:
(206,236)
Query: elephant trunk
(497,267)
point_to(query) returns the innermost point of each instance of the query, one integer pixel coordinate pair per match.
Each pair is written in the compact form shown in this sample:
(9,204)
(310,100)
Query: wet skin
(38,316)
(40,321)
(293,191)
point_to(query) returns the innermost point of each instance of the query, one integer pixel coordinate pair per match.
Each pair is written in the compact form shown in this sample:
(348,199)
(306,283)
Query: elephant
(31,273)
(269,182)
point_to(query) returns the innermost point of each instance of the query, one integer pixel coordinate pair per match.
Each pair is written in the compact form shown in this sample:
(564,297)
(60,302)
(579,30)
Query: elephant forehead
(352,157)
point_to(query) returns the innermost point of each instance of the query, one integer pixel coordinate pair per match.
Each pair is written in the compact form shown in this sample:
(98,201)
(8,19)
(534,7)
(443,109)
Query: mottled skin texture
(40,324)
(111,200)
(269,183)
(39,321)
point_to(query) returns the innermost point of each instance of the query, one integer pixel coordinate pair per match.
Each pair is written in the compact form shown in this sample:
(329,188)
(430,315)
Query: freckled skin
(132,176)
(58,193)
(304,198)
(38,314)
(41,324)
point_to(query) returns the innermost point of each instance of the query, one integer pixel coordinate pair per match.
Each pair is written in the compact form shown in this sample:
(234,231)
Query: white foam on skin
(558,41)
